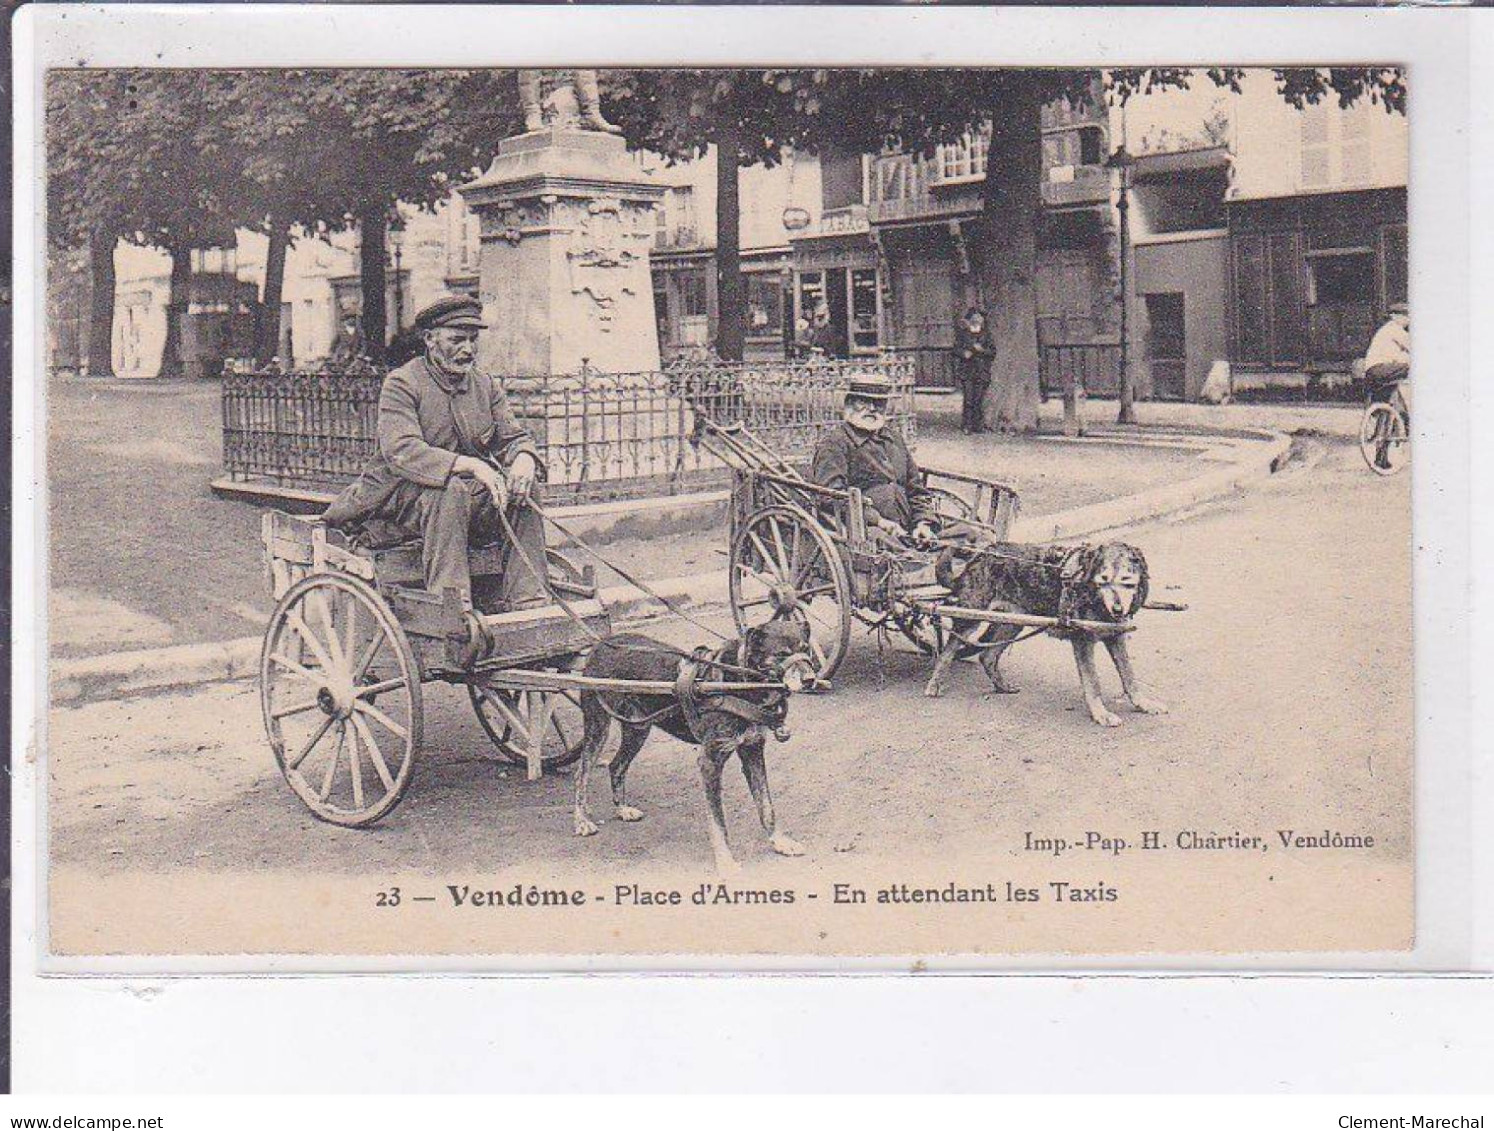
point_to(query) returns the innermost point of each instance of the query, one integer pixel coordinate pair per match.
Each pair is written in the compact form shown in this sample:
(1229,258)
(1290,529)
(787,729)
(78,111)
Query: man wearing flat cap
(451,460)
(864,453)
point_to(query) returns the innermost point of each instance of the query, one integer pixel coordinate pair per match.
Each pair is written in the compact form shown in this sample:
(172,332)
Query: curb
(149,671)
(154,670)
(1128,510)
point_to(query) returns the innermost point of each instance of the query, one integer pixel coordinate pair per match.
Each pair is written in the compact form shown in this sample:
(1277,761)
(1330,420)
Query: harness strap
(759,713)
(687,695)
(692,704)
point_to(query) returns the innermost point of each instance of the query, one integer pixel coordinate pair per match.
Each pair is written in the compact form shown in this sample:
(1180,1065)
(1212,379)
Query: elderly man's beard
(455,358)
(870,423)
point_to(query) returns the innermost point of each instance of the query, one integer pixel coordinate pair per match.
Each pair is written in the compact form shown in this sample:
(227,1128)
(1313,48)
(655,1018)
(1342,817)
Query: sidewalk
(144,556)
(1341,420)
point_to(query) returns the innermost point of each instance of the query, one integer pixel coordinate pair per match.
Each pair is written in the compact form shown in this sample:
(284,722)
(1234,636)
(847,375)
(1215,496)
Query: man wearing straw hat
(451,463)
(864,453)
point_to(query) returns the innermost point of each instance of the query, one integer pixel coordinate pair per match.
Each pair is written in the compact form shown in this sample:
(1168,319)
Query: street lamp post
(399,288)
(1121,162)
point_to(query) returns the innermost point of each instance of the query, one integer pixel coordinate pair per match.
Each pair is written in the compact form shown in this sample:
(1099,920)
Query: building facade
(1271,237)
(898,247)
(1280,248)
(774,202)
(1318,235)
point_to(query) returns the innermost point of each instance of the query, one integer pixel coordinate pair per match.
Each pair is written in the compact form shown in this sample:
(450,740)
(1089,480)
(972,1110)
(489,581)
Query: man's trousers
(460,515)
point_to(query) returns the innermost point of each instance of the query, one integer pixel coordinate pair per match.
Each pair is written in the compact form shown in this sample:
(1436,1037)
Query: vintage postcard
(592,513)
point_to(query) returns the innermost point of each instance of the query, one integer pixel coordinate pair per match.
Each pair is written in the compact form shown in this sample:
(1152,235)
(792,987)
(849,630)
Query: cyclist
(1387,370)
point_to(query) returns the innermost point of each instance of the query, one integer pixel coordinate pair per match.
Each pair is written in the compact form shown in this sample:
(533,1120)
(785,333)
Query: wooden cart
(807,551)
(354,637)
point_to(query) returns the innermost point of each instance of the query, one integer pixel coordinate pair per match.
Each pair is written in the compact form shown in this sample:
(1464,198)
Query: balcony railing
(602,436)
(925,207)
(1084,184)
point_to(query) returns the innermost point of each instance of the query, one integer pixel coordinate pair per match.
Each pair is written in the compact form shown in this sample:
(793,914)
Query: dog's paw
(628,813)
(934,690)
(728,866)
(785,845)
(1106,718)
(1148,706)
(1004,689)
(585,826)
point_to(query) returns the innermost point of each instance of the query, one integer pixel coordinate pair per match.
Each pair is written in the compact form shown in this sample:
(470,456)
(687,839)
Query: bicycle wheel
(1384,439)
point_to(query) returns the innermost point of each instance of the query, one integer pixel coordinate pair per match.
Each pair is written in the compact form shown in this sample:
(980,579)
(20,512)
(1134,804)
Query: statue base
(567,222)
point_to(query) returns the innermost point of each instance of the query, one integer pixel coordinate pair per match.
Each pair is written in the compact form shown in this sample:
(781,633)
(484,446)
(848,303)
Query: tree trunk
(731,307)
(173,364)
(101,304)
(1014,206)
(373,227)
(269,324)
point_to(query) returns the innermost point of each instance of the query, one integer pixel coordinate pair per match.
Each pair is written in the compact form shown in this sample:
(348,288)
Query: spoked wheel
(1384,439)
(341,698)
(784,563)
(507,715)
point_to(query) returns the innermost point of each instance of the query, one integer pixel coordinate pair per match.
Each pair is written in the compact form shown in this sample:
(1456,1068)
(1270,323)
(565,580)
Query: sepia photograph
(548,515)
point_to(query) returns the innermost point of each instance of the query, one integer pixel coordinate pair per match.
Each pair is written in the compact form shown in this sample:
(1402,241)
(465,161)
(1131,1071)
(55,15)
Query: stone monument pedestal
(567,223)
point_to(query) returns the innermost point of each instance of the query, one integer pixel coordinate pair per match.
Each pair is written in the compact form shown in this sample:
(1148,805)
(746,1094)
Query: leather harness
(770,714)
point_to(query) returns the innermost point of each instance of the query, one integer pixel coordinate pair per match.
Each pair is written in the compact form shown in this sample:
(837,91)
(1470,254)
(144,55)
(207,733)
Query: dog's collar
(769,714)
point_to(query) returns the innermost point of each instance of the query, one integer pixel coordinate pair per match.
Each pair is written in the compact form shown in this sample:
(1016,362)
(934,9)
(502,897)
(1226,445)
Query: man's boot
(529,97)
(590,99)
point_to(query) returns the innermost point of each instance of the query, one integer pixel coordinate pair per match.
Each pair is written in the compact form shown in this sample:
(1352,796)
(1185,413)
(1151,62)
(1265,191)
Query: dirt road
(1289,680)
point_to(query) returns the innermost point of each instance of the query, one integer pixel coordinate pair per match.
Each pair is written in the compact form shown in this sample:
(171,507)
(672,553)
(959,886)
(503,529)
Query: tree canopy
(176,158)
(915,110)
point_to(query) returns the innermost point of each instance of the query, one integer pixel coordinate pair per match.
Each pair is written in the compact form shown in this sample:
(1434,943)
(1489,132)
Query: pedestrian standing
(973,351)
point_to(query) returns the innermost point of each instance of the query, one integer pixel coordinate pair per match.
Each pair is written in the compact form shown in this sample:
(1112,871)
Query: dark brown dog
(1107,582)
(723,725)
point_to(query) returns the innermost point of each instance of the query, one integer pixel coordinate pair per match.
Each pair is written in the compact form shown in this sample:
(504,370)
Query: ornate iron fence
(603,436)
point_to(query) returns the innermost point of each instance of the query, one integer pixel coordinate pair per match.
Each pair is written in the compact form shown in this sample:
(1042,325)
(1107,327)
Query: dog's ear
(1090,560)
(1143,589)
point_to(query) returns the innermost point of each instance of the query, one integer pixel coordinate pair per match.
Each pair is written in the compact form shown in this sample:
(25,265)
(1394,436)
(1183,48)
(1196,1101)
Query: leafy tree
(182,159)
(749,120)
(98,174)
(917,110)
(403,137)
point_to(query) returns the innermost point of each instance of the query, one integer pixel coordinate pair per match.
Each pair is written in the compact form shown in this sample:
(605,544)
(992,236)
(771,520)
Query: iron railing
(1093,366)
(602,436)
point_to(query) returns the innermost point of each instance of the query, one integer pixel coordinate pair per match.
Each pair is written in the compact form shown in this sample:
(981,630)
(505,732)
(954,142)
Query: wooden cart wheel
(783,562)
(1384,439)
(505,714)
(341,697)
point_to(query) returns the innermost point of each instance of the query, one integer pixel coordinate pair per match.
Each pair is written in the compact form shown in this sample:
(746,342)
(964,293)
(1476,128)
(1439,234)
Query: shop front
(838,272)
(1313,275)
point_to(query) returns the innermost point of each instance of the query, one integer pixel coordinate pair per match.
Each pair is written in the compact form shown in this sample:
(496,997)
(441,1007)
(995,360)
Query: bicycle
(1385,428)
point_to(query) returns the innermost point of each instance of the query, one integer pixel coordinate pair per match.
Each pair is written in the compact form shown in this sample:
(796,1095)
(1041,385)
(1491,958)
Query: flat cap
(458,311)
(870,388)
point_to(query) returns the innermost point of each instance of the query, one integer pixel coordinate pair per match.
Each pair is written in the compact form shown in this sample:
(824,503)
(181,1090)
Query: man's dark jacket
(879,465)
(426,420)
